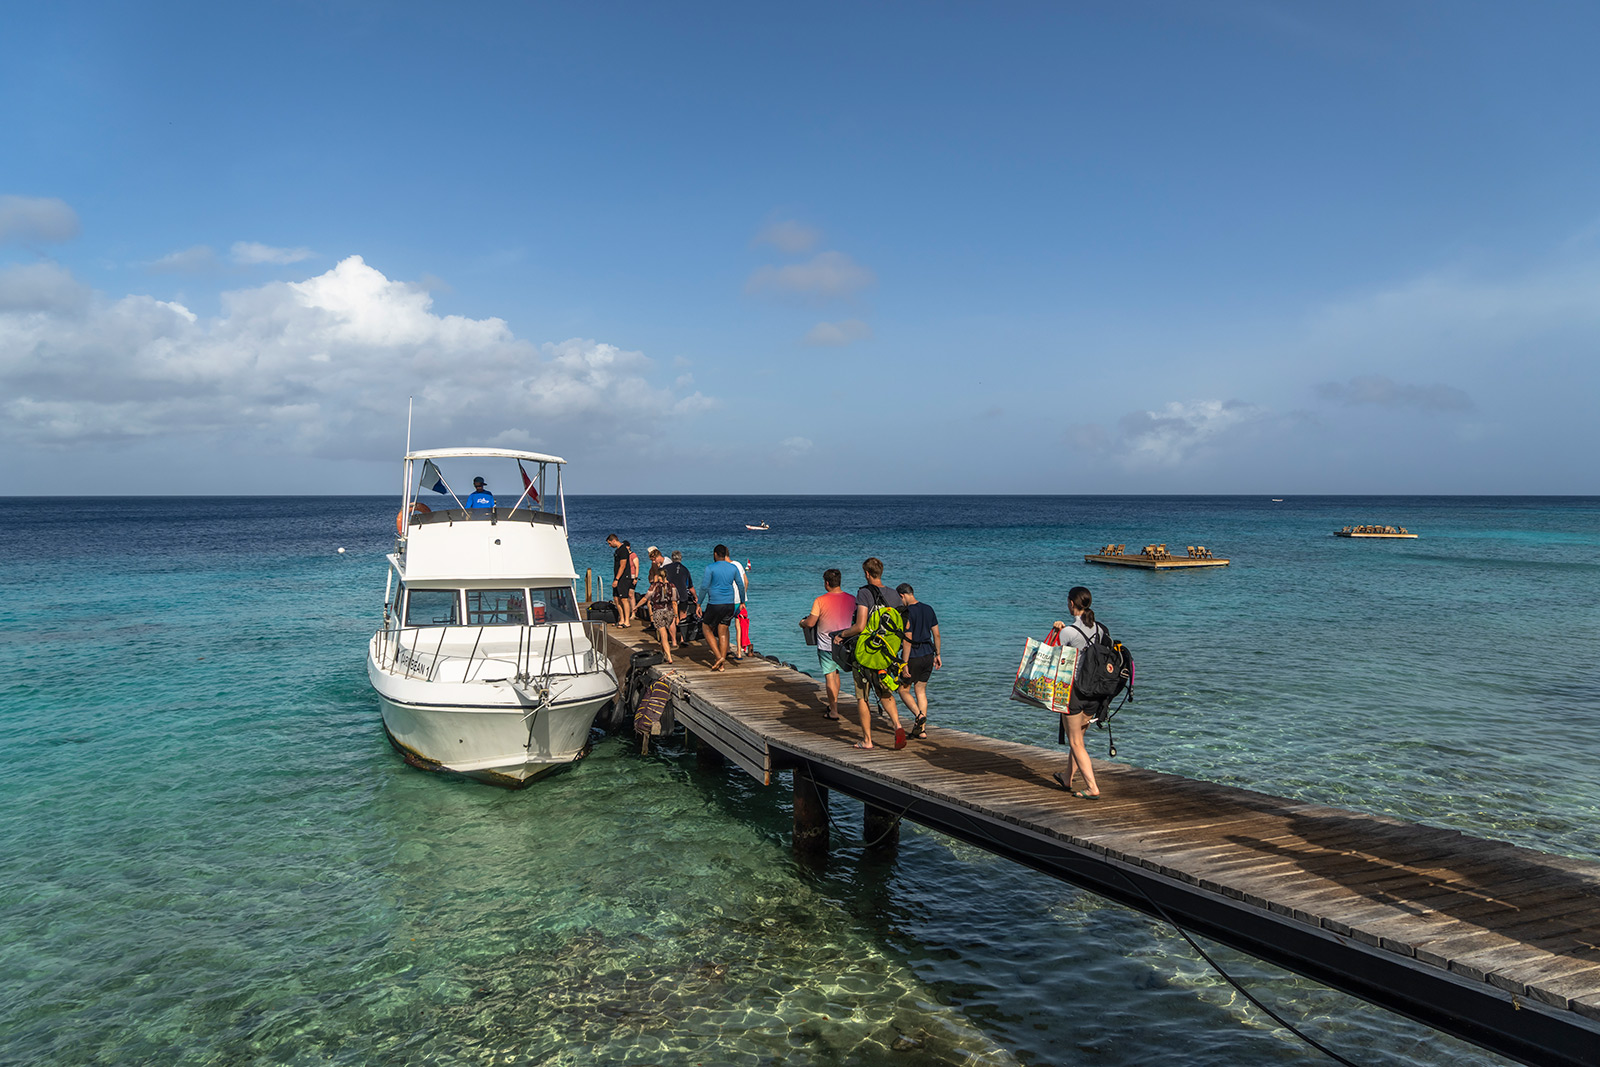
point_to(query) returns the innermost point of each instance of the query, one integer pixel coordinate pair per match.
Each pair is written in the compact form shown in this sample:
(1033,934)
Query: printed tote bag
(1044,678)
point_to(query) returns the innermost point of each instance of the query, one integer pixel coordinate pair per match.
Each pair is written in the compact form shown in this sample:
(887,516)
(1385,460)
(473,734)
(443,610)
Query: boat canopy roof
(503,453)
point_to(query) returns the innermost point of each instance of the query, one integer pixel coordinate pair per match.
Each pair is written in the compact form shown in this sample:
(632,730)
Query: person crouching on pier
(1078,634)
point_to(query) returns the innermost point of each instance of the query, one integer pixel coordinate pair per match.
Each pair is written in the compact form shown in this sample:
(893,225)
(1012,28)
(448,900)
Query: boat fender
(417,508)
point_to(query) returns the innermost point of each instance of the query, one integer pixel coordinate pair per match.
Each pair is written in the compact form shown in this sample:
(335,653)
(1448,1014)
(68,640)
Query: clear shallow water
(213,857)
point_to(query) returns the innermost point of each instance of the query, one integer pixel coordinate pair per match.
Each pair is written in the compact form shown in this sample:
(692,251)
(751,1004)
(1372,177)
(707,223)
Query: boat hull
(505,745)
(490,730)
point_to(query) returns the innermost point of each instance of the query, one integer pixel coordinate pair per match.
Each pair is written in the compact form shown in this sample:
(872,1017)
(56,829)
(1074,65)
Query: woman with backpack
(1078,634)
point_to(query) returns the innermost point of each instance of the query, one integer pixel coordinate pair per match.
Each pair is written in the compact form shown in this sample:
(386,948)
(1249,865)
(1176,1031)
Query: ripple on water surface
(214,858)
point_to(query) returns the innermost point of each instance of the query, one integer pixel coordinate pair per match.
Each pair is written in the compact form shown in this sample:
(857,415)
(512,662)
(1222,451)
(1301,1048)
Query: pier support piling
(880,828)
(706,757)
(810,814)
(588,585)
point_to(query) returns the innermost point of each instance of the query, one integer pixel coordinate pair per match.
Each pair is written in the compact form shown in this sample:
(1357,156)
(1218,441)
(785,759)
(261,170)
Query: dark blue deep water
(212,856)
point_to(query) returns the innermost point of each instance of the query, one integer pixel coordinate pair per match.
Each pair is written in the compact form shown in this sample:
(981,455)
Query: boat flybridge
(483,666)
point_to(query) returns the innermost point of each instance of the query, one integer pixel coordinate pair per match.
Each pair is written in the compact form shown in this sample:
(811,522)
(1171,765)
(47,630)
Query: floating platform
(1157,558)
(1497,944)
(1393,532)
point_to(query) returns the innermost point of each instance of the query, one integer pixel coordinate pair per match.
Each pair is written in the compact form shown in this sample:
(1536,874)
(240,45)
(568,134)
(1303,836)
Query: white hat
(652,550)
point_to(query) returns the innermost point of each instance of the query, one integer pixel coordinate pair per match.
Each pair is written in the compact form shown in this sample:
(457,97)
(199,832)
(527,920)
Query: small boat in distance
(483,665)
(763,526)
(1277,500)
(1375,531)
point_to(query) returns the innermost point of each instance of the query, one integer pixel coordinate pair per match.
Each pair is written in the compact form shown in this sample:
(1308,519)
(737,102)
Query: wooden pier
(1156,558)
(1496,944)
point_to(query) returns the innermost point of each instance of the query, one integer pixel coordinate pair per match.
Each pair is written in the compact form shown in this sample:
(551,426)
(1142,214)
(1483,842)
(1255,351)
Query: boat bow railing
(415,651)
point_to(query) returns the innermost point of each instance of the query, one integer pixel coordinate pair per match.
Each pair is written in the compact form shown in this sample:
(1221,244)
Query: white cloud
(199,259)
(837,334)
(1176,433)
(793,448)
(1379,391)
(250,253)
(40,287)
(789,236)
(696,403)
(1447,312)
(827,274)
(321,365)
(36,218)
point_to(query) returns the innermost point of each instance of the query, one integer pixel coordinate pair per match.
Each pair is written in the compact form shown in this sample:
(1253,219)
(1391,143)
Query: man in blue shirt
(480,497)
(723,586)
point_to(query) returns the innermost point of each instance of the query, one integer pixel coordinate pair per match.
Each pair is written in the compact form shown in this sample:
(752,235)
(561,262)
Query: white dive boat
(483,666)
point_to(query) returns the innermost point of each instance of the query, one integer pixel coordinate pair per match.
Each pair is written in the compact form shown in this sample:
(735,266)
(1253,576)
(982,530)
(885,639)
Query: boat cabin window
(432,607)
(553,605)
(496,607)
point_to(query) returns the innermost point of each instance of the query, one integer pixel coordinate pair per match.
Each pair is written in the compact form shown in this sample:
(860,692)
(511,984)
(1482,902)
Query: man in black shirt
(679,576)
(921,655)
(621,580)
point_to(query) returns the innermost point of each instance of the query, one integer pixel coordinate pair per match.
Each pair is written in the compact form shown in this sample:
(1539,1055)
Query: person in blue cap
(480,496)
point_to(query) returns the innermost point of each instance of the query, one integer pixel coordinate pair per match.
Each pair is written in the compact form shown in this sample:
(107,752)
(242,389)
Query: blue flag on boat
(432,479)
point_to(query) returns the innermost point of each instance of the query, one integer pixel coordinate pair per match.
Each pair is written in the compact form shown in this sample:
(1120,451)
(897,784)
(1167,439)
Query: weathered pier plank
(1494,943)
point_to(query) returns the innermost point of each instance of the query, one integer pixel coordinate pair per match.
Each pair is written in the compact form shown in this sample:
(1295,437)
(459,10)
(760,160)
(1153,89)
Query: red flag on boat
(527,483)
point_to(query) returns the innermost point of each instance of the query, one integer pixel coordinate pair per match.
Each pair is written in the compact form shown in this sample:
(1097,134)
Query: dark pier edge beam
(1472,1010)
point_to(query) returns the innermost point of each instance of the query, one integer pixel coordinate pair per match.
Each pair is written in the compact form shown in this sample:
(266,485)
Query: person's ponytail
(1079,599)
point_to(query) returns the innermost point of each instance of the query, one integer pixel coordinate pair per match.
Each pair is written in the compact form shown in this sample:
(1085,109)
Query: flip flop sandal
(899,737)
(860,745)
(1082,795)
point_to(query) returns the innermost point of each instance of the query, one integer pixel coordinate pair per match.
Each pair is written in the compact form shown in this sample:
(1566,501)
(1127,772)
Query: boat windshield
(496,607)
(491,607)
(432,607)
(553,605)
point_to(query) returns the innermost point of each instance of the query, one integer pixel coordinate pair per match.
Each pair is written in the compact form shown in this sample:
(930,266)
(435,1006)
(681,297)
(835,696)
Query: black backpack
(1104,669)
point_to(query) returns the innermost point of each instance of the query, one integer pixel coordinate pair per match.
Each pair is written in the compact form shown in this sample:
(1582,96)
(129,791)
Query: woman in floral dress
(662,600)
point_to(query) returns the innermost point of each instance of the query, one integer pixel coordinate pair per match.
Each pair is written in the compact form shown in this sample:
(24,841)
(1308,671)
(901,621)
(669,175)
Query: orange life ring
(417,508)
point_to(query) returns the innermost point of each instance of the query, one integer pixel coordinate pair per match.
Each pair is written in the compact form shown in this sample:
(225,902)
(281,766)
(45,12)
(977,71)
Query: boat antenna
(405,475)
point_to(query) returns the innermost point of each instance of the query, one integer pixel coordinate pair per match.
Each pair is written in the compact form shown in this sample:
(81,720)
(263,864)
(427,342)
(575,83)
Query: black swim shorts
(719,614)
(920,668)
(622,590)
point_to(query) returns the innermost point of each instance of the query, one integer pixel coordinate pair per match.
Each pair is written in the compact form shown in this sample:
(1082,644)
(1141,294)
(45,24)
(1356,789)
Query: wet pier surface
(1497,944)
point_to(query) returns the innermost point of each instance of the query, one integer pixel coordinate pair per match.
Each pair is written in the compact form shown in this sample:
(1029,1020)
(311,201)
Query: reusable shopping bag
(1044,678)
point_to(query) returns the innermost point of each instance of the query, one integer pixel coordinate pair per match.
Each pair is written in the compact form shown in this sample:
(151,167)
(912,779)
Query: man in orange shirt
(831,611)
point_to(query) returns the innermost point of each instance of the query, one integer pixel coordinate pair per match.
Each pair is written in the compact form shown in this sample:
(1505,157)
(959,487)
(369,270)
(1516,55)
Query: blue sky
(1132,247)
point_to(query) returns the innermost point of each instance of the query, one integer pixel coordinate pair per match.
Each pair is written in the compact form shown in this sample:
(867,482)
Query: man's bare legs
(864,710)
(717,638)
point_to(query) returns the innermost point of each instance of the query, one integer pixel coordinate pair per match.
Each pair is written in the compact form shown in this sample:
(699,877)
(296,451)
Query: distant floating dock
(1375,531)
(1156,558)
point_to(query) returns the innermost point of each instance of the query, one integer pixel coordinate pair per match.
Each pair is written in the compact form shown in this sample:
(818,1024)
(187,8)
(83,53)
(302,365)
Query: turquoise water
(213,857)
